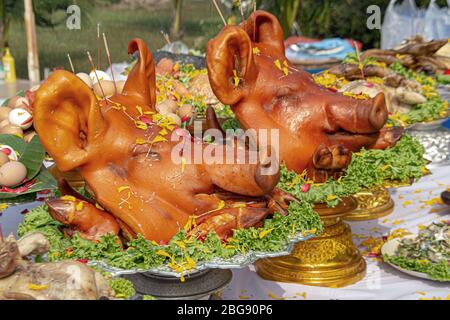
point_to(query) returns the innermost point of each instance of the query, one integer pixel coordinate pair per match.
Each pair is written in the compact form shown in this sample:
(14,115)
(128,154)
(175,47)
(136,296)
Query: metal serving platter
(236,262)
(12,217)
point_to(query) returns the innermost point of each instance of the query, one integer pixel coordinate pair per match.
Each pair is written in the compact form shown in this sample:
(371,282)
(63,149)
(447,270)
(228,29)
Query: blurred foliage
(48,13)
(286,11)
(331,18)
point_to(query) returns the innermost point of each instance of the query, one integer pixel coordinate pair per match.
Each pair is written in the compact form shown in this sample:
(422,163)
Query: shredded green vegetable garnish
(368,168)
(437,271)
(181,253)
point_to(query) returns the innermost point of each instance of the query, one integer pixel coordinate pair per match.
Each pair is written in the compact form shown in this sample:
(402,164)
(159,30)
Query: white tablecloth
(381,281)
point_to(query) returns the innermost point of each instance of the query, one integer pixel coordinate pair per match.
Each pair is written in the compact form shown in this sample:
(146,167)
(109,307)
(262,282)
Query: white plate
(390,248)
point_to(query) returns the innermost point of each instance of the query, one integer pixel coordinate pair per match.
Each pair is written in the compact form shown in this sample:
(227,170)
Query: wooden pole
(32,56)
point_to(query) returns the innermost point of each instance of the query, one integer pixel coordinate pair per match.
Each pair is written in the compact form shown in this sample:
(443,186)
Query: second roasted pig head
(318,128)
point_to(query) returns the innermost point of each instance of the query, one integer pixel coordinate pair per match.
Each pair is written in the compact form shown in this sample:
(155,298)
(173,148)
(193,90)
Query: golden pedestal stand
(372,204)
(72,177)
(330,260)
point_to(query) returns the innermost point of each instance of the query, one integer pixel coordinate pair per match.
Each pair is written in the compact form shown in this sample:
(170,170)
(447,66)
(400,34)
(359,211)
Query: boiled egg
(12,173)
(101,75)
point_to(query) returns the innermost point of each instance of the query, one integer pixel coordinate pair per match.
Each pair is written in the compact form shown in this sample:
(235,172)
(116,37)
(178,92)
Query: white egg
(12,155)
(101,76)
(21,118)
(86,79)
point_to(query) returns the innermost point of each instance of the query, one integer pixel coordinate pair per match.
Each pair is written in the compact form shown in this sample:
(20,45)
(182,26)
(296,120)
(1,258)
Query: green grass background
(200,22)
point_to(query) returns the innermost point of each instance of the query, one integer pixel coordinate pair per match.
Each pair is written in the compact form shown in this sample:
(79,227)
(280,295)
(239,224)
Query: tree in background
(286,11)
(175,31)
(9,9)
(48,13)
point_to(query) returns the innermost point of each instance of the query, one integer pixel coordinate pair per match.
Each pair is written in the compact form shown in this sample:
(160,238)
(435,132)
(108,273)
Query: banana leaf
(43,181)
(32,155)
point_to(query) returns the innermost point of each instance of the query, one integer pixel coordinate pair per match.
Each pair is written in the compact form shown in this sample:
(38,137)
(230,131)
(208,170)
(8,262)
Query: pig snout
(358,115)
(378,114)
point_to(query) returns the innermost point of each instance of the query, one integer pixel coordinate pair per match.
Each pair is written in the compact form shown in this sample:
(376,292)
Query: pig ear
(230,64)
(141,82)
(264,28)
(67,119)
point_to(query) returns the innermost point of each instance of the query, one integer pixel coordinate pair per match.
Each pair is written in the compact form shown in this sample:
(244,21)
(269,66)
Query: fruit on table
(12,173)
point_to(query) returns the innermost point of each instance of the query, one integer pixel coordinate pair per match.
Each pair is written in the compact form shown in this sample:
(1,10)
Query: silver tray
(236,262)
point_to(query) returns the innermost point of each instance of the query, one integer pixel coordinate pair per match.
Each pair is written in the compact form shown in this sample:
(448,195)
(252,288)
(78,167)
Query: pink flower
(145,120)
(305,187)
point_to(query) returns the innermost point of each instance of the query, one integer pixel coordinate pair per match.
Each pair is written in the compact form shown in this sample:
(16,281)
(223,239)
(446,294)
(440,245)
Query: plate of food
(149,209)
(425,255)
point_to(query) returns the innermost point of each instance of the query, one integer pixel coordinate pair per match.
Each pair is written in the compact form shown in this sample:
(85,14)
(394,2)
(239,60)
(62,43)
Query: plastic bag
(401,22)
(437,22)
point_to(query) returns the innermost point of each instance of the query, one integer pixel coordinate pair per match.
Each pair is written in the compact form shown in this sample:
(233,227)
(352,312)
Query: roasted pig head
(124,151)
(318,128)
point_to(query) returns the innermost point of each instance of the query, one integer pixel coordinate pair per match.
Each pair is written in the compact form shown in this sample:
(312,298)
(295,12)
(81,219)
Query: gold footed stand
(372,204)
(73,177)
(330,260)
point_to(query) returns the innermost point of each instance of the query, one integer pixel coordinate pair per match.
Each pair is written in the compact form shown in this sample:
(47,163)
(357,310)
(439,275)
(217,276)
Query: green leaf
(18,144)
(33,157)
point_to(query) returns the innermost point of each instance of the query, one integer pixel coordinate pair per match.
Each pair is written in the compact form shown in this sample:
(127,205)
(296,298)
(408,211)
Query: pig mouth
(351,140)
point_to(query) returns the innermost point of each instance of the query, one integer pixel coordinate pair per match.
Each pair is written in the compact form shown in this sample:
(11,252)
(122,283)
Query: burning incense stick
(109,61)
(220,12)
(70,62)
(95,72)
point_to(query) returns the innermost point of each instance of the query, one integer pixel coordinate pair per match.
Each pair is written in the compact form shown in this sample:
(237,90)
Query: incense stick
(241,9)
(99,59)
(254,21)
(166,37)
(71,64)
(220,12)
(109,61)
(358,56)
(95,72)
